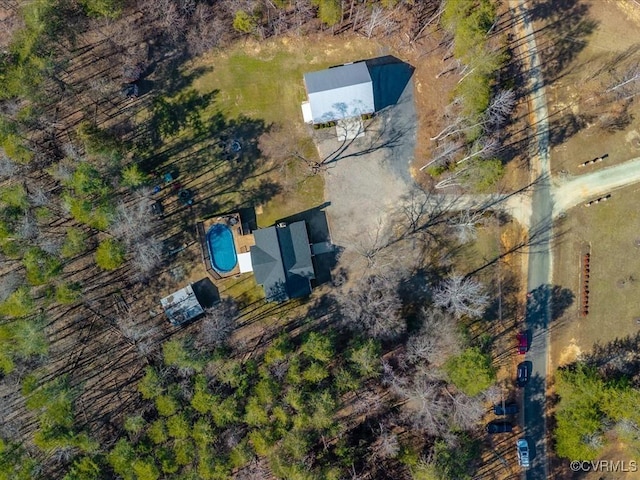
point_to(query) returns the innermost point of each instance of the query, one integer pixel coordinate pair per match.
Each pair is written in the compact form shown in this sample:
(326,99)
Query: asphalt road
(540,260)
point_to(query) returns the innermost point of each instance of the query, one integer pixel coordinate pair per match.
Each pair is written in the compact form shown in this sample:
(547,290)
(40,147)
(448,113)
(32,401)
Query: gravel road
(573,191)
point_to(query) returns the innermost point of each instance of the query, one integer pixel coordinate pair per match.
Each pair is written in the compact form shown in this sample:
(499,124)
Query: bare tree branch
(461,296)
(374,306)
(217,325)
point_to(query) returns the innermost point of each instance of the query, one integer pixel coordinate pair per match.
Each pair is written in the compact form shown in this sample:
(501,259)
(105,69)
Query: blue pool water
(222,251)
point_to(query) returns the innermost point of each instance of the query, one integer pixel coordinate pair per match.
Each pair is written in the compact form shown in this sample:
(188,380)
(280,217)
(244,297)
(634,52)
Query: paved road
(540,260)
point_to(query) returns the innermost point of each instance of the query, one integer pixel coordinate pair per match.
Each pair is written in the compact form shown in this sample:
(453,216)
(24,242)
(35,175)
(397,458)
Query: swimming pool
(222,251)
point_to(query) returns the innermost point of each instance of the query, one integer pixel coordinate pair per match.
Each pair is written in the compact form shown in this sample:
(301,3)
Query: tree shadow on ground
(170,116)
(567,26)
(504,304)
(562,128)
(174,77)
(543,298)
(617,359)
(415,292)
(217,157)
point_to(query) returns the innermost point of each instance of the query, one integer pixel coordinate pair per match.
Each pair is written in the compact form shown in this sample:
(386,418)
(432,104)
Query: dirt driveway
(367,179)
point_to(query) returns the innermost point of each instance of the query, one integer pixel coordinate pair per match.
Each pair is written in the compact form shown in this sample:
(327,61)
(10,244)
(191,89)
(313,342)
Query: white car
(523,453)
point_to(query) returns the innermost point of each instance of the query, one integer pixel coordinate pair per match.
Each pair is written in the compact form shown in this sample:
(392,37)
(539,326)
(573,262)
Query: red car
(523,342)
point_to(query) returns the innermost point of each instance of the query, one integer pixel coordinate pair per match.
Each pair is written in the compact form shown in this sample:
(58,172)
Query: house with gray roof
(338,93)
(281,260)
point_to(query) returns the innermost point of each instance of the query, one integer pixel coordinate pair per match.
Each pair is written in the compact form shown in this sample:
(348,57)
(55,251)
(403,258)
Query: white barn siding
(340,92)
(344,102)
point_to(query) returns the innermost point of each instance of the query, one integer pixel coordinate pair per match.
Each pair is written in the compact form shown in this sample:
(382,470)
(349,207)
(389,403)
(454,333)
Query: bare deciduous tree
(146,256)
(72,151)
(465,224)
(437,339)
(421,210)
(378,18)
(49,244)
(132,220)
(623,85)
(27,228)
(8,167)
(38,196)
(368,402)
(374,306)
(426,407)
(9,282)
(386,445)
(467,411)
(206,31)
(443,154)
(217,325)
(143,337)
(173,20)
(370,243)
(257,469)
(452,180)
(496,114)
(461,296)
(63,170)
(485,147)
(500,108)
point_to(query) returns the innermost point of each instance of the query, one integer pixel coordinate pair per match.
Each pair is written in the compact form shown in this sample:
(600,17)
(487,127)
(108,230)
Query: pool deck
(242,242)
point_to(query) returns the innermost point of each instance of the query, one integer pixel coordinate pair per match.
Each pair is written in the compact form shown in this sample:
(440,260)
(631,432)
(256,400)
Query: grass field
(575,98)
(264,79)
(610,231)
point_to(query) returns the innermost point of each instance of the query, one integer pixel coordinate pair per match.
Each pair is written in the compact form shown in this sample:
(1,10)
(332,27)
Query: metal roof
(182,306)
(337,77)
(282,261)
(340,92)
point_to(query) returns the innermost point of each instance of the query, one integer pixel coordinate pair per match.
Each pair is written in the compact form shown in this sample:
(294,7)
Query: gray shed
(282,262)
(339,92)
(182,306)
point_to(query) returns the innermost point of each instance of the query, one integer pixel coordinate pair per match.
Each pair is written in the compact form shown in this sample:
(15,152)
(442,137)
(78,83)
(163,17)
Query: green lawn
(264,80)
(610,232)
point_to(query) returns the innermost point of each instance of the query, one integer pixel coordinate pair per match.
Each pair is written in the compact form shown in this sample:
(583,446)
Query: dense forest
(387,374)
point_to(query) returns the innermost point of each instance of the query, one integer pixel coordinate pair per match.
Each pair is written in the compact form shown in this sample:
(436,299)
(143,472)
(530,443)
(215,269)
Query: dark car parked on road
(524,372)
(506,409)
(499,427)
